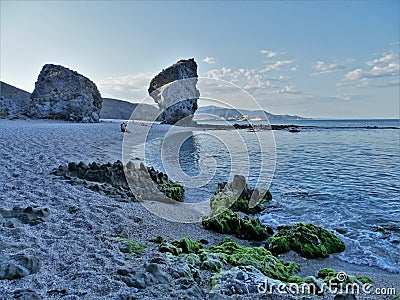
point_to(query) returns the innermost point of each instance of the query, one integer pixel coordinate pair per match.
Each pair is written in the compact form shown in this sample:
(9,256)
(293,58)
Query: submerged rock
(308,240)
(61,93)
(174,90)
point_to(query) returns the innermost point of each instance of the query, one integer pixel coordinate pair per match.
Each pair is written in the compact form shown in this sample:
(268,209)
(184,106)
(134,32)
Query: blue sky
(337,59)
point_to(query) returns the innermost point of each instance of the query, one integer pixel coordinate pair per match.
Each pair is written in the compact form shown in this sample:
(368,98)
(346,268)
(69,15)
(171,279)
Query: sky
(321,59)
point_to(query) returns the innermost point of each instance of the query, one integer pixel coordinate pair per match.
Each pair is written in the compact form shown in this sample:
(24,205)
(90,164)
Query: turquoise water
(337,175)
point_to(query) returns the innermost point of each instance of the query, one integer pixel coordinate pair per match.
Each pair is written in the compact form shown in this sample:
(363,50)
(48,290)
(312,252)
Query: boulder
(309,240)
(61,93)
(174,90)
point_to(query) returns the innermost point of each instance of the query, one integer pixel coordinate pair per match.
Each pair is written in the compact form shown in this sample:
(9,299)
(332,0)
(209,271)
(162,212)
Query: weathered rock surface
(174,90)
(61,93)
(18,216)
(309,240)
(18,266)
(119,180)
(13,101)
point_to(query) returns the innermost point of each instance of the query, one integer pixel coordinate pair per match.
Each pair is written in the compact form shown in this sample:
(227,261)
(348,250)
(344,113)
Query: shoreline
(80,235)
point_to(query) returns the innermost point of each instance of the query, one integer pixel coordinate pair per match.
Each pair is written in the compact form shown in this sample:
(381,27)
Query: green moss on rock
(134,247)
(230,223)
(364,279)
(308,240)
(258,257)
(188,245)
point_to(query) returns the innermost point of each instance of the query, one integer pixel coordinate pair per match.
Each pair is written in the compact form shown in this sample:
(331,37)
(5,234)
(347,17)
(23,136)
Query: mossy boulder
(169,188)
(238,196)
(332,277)
(229,222)
(230,253)
(259,257)
(308,240)
(187,245)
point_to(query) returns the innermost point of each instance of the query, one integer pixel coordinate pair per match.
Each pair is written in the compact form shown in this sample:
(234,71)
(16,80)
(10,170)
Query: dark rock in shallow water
(174,90)
(308,240)
(238,196)
(61,93)
(117,179)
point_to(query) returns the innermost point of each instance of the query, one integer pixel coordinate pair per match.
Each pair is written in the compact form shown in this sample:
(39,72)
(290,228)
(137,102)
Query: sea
(343,175)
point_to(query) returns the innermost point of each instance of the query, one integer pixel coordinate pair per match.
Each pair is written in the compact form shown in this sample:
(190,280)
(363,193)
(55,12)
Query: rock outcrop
(174,90)
(13,101)
(61,93)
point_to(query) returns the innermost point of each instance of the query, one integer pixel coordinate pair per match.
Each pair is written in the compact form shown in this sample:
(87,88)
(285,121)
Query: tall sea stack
(174,90)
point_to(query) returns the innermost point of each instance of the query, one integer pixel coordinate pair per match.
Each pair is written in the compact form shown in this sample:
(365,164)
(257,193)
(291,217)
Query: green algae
(308,240)
(188,245)
(229,222)
(364,279)
(258,257)
(134,247)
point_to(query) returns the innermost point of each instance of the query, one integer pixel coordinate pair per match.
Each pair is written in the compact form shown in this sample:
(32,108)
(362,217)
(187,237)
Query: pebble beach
(77,243)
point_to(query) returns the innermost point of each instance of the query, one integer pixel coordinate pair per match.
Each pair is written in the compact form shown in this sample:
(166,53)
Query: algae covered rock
(227,201)
(117,179)
(229,222)
(257,257)
(238,196)
(308,240)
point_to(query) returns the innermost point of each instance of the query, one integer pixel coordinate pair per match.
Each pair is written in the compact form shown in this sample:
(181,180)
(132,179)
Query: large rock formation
(174,90)
(61,93)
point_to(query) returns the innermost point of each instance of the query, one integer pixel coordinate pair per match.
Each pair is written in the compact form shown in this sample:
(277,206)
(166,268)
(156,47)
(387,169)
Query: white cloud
(131,86)
(210,60)
(277,65)
(269,53)
(287,89)
(382,68)
(323,68)
(355,74)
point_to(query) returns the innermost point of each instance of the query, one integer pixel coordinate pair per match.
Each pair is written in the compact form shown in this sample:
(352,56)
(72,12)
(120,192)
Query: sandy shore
(77,245)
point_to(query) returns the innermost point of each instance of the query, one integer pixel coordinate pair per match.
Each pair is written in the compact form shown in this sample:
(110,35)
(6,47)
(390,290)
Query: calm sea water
(339,175)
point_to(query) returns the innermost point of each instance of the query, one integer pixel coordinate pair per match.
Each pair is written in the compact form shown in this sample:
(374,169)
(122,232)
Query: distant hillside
(119,109)
(231,113)
(13,101)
